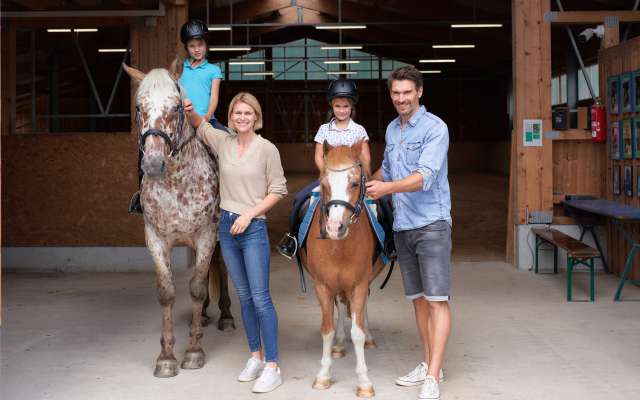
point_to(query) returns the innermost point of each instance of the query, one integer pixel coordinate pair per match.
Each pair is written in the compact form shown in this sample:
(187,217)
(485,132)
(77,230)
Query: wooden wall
(622,58)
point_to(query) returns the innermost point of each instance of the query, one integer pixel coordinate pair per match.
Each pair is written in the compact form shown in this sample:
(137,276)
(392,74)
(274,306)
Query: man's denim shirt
(420,147)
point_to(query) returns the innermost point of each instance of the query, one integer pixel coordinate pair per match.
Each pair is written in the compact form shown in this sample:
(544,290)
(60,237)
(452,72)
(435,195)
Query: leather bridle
(355,209)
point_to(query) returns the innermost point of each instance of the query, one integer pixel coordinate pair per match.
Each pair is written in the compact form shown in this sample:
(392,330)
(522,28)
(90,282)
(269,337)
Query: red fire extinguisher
(598,122)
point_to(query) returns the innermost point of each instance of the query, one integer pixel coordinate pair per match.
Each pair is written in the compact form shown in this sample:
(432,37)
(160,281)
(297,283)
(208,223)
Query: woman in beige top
(251,183)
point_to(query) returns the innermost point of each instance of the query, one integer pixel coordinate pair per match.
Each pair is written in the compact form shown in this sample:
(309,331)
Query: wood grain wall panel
(616,60)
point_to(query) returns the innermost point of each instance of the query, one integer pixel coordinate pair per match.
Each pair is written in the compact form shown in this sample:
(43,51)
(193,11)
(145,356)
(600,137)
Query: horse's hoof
(166,368)
(370,344)
(338,352)
(226,325)
(205,320)
(365,391)
(322,383)
(193,360)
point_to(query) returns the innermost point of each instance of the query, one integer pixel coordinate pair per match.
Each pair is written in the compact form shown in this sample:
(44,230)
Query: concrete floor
(96,336)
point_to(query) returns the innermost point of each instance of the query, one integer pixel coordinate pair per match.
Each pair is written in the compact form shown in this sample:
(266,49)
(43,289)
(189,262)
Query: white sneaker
(430,389)
(417,376)
(252,370)
(269,380)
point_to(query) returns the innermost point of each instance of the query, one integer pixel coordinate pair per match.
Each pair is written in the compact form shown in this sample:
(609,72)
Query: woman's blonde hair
(250,100)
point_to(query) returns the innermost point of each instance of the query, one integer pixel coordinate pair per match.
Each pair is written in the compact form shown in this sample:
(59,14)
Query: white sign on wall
(532,132)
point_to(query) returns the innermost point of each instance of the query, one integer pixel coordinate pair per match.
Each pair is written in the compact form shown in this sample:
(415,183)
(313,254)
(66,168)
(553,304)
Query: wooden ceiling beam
(589,17)
(247,10)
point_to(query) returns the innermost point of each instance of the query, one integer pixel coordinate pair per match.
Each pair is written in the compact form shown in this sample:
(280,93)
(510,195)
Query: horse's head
(159,116)
(342,183)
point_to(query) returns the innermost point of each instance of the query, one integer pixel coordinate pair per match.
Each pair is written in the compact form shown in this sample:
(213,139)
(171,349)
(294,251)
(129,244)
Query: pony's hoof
(365,391)
(322,383)
(205,320)
(338,352)
(166,368)
(226,325)
(193,360)
(370,344)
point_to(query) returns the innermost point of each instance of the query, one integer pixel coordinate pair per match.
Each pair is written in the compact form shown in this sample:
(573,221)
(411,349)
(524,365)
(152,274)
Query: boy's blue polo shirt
(197,83)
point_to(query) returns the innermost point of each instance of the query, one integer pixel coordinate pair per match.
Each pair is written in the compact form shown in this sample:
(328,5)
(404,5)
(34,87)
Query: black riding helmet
(193,29)
(342,88)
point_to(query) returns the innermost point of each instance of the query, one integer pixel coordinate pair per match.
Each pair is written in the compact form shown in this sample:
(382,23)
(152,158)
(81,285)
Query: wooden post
(611,32)
(8,78)
(533,166)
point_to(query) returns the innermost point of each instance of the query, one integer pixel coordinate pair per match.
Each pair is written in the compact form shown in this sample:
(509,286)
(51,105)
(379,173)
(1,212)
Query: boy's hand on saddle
(241,224)
(194,119)
(377,189)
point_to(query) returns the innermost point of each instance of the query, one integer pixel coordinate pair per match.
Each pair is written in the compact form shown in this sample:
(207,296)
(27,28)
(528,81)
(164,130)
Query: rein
(355,209)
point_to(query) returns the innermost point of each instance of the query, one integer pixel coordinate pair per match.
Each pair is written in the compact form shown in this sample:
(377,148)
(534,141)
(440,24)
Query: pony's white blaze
(339,183)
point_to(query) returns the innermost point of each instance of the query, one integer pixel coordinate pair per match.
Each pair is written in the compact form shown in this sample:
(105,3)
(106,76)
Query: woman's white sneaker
(417,376)
(430,389)
(252,370)
(269,380)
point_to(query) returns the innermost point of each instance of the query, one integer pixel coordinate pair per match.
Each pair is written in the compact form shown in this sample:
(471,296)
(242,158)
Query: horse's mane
(158,80)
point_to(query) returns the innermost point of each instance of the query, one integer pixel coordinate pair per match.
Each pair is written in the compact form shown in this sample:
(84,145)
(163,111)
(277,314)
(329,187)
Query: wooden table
(620,215)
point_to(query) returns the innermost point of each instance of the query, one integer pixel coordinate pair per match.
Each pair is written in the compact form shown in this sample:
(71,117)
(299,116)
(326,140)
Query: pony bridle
(355,209)
(174,146)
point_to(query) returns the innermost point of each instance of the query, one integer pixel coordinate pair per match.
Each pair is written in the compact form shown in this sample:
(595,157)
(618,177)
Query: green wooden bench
(578,253)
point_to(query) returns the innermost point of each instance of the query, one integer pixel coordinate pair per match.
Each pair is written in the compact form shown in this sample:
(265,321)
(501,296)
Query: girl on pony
(341,130)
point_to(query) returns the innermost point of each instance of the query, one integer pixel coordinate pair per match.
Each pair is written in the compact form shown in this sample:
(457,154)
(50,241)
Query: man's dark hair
(406,73)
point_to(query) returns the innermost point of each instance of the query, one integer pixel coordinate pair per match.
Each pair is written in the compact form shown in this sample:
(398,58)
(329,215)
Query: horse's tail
(216,270)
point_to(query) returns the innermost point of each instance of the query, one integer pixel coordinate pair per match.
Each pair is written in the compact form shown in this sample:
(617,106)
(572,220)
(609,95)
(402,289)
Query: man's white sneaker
(430,389)
(252,370)
(417,376)
(269,380)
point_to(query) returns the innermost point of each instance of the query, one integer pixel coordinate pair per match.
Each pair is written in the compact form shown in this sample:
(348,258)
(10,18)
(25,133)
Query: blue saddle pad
(303,231)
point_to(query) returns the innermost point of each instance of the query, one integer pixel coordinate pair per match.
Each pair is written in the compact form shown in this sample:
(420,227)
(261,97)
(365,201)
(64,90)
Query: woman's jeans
(247,258)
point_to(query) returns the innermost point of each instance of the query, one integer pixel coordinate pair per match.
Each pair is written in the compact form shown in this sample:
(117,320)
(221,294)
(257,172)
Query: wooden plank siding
(616,60)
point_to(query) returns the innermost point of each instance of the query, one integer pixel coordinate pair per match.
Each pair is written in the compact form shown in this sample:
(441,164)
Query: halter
(355,209)
(175,148)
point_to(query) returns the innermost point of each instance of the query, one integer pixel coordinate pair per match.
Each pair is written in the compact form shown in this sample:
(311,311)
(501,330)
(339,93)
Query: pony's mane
(340,156)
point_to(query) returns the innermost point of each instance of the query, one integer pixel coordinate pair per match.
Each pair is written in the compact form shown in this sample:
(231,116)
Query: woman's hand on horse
(241,224)
(377,189)
(194,119)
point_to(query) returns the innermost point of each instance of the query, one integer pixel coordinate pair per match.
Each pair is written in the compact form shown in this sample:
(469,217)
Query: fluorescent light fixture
(453,46)
(342,62)
(246,62)
(340,47)
(341,72)
(431,71)
(85,30)
(219,28)
(476,25)
(257,73)
(113,50)
(341,26)
(59,30)
(438,60)
(229,48)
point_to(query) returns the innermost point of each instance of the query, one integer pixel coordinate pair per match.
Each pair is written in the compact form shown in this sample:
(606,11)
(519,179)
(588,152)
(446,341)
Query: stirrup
(135,207)
(282,244)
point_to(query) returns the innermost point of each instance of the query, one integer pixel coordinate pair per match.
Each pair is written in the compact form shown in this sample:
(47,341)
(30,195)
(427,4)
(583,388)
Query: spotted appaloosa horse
(341,266)
(179,195)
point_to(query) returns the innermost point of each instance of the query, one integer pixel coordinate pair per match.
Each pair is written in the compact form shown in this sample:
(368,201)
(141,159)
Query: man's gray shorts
(424,255)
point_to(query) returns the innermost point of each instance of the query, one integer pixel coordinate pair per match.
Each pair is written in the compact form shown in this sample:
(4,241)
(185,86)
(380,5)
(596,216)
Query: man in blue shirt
(414,172)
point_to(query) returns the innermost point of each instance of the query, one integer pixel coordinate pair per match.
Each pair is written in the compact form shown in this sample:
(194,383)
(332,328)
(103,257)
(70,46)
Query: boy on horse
(414,171)
(200,79)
